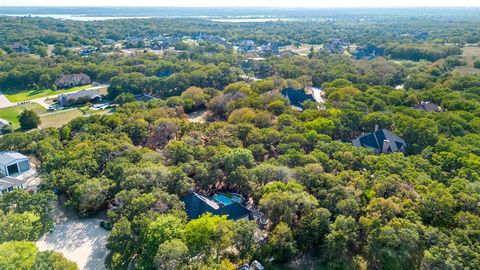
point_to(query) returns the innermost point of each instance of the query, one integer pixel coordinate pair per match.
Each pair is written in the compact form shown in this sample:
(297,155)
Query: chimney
(386,144)
(376,128)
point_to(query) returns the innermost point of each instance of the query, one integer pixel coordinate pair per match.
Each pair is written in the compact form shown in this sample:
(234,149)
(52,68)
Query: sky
(247,3)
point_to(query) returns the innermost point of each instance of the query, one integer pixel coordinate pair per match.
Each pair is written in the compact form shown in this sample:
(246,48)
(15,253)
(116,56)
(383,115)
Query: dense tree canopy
(327,202)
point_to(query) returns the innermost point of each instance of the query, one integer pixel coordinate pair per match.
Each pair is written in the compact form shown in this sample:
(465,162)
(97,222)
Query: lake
(74,17)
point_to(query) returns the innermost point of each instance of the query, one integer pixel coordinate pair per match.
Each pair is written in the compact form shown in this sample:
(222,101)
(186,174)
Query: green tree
(281,245)
(51,260)
(395,246)
(244,239)
(286,202)
(476,64)
(18,227)
(178,152)
(312,229)
(90,195)
(172,255)
(342,240)
(162,229)
(17,255)
(120,243)
(208,236)
(238,157)
(124,98)
(28,119)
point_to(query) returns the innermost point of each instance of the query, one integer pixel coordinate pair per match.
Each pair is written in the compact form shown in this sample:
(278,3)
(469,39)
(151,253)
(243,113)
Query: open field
(54,119)
(23,95)
(10,114)
(470,54)
(59,118)
(303,49)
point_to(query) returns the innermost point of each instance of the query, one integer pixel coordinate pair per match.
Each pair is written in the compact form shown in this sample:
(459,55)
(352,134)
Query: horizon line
(241,7)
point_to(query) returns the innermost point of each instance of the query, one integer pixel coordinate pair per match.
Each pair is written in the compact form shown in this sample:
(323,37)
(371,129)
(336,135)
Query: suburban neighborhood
(247,138)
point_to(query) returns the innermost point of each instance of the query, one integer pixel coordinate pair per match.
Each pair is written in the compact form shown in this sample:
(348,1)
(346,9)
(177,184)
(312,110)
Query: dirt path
(198,116)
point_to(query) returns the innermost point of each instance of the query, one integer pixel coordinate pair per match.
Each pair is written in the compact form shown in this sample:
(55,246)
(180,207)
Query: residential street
(4,102)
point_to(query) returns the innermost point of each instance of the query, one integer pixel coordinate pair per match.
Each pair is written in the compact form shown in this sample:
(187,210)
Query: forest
(329,203)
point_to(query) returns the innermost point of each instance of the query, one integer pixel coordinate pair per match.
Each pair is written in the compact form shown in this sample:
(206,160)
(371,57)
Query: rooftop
(81,94)
(381,141)
(197,205)
(8,157)
(7,182)
(428,107)
(296,97)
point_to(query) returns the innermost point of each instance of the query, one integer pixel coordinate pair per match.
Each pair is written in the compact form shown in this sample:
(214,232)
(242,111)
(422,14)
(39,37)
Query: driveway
(82,241)
(4,102)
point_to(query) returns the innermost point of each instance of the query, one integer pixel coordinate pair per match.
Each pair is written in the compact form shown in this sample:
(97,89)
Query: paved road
(4,102)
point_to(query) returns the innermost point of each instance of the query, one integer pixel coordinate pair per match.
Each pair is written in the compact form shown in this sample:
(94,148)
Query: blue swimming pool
(227,199)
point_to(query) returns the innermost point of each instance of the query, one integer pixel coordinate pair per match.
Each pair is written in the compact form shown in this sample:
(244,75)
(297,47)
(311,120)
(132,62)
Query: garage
(13,163)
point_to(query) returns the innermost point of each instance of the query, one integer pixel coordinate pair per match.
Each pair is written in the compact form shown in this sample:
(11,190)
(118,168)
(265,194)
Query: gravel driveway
(80,240)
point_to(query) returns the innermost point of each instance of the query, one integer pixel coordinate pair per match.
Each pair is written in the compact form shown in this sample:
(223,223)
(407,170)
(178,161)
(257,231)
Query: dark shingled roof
(73,79)
(64,99)
(376,139)
(428,107)
(296,97)
(197,205)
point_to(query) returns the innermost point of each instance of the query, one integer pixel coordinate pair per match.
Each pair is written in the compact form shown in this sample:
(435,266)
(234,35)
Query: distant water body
(244,20)
(75,17)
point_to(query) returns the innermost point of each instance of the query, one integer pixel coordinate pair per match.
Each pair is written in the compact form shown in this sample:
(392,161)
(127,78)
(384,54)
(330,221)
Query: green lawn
(23,95)
(10,114)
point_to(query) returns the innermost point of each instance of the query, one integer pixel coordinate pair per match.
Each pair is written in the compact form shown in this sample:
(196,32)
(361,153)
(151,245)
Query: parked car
(54,107)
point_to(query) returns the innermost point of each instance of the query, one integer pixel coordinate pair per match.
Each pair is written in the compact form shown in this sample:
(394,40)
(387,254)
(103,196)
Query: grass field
(23,95)
(470,54)
(59,118)
(10,114)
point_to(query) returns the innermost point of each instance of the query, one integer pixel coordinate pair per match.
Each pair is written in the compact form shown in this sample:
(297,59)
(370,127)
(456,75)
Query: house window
(23,166)
(12,169)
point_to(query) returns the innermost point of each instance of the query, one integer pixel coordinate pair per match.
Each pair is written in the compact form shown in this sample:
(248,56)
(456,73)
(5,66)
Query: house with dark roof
(369,52)
(428,107)
(336,46)
(197,205)
(270,48)
(297,97)
(71,80)
(381,142)
(19,47)
(247,46)
(79,97)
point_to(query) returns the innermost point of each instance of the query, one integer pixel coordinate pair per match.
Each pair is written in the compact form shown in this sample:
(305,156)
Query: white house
(13,163)
(8,184)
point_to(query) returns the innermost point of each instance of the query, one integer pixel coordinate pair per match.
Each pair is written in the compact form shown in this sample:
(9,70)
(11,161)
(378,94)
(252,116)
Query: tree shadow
(81,240)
